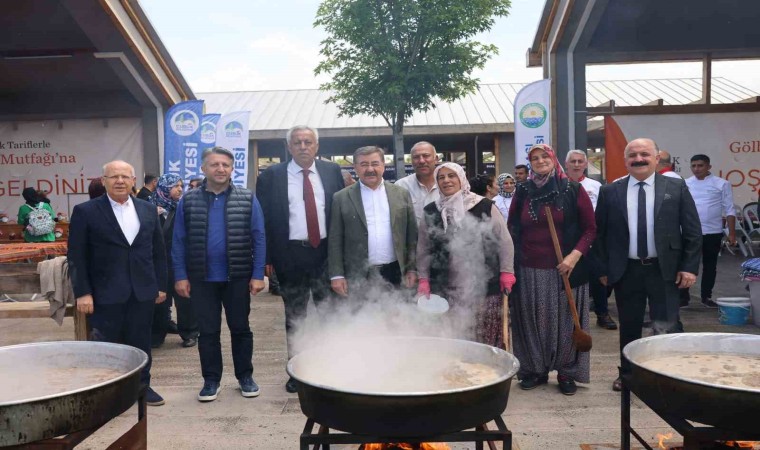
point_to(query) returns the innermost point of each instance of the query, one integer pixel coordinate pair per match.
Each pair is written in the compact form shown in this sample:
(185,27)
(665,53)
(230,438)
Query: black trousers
(710,249)
(305,277)
(641,283)
(161,317)
(207,299)
(125,323)
(599,294)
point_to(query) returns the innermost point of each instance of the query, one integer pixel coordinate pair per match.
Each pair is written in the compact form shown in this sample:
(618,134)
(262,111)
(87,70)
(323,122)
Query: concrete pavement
(540,419)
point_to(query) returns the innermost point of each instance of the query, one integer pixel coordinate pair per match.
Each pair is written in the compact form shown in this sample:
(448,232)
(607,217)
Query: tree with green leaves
(390,58)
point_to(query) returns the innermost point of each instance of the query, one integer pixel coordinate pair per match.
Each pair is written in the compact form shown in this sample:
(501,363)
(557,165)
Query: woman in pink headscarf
(542,324)
(465,254)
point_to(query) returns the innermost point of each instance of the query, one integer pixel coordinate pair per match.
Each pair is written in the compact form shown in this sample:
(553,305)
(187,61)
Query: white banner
(232,134)
(731,140)
(532,118)
(62,158)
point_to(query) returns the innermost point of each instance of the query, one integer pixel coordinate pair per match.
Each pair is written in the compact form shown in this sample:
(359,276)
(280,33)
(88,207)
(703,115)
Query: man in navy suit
(118,264)
(649,241)
(296,197)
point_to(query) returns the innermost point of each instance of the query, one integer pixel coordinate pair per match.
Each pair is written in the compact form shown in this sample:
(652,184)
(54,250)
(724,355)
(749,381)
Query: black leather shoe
(533,381)
(606,322)
(172,327)
(291,386)
(708,303)
(190,342)
(566,385)
(617,385)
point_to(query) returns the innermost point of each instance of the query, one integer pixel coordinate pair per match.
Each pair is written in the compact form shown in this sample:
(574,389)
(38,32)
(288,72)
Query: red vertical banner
(614,149)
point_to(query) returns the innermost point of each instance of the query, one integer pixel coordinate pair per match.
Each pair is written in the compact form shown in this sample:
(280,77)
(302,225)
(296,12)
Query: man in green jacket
(373,230)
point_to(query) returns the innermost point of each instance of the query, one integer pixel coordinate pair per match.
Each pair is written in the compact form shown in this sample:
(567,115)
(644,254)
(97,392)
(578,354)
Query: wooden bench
(41,310)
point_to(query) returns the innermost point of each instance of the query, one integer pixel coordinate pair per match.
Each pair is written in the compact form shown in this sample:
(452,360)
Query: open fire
(402,446)
(718,445)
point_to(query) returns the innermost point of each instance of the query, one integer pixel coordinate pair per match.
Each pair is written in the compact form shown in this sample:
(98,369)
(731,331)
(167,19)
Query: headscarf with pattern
(454,207)
(544,189)
(502,178)
(163,197)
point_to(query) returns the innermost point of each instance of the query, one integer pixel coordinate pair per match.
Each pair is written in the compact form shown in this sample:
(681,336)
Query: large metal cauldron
(403,413)
(24,420)
(710,404)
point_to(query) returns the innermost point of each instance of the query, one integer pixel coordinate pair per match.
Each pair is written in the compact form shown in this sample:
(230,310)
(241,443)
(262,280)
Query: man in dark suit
(296,197)
(373,230)
(118,264)
(648,242)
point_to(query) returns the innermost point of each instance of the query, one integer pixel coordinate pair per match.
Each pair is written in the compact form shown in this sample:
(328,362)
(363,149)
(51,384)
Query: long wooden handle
(565,279)
(505,322)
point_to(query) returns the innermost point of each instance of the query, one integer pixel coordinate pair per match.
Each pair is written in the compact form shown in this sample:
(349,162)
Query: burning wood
(661,438)
(755,445)
(402,446)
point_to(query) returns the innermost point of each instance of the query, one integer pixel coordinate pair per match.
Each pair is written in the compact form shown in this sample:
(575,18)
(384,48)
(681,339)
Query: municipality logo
(208,132)
(184,122)
(233,130)
(533,115)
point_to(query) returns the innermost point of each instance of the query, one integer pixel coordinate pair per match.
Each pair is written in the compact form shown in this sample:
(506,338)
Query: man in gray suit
(648,242)
(373,230)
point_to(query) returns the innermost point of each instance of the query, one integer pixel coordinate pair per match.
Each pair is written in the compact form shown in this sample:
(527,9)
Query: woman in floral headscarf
(506,183)
(167,195)
(465,254)
(542,324)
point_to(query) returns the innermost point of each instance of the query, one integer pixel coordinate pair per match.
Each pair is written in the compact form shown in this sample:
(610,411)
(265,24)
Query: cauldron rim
(636,345)
(515,367)
(141,355)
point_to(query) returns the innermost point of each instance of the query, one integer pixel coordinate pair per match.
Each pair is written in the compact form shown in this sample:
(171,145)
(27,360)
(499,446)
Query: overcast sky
(247,45)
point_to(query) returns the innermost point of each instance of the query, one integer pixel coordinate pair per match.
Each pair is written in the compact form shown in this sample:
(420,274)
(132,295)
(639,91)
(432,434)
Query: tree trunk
(398,147)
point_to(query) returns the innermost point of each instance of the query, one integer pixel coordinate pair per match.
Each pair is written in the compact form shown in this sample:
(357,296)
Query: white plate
(433,305)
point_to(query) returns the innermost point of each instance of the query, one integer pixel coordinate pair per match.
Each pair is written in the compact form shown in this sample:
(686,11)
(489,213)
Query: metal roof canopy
(68,59)
(572,34)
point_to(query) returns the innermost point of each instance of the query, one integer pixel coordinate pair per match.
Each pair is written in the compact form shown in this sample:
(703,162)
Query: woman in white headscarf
(506,183)
(465,254)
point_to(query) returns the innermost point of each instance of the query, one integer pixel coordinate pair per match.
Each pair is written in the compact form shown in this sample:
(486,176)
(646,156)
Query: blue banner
(232,134)
(208,131)
(182,139)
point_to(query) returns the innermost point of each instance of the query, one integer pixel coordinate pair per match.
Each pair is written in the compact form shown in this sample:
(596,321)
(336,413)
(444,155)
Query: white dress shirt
(592,189)
(296,205)
(671,174)
(126,215)
(420,194)
(633,214)
(714,199)
(503,204)
(378,214)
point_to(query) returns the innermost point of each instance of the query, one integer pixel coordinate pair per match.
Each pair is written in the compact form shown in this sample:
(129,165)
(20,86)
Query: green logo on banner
(533,115)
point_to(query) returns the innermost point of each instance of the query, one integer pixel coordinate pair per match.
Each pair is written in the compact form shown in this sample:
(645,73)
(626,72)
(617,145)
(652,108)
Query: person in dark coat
(118,264)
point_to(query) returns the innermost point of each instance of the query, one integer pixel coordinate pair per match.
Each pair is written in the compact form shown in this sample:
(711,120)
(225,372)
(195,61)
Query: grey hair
(575,152)
(420,143)
(654,144)
(105,166)
(368,150)
(216,151)
(290,132)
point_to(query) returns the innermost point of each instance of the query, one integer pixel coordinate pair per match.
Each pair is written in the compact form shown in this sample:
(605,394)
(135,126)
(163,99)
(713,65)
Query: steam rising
(345,337)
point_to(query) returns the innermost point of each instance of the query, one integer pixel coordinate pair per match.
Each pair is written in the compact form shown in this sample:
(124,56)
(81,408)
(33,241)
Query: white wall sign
(62,158)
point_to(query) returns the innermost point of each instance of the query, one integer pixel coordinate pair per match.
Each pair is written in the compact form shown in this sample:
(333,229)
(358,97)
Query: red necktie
(312,221)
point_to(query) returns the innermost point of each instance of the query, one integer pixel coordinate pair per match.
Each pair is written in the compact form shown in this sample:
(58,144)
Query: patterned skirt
(542,325)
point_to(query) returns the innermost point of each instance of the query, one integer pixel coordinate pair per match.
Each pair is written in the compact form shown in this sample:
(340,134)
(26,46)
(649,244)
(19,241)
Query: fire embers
(402,446)
(717,445)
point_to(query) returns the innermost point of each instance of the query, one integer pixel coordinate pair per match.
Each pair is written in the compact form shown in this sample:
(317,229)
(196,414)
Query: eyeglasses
(119,177)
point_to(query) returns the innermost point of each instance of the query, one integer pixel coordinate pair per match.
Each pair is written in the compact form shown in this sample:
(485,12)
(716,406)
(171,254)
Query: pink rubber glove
(423,288)
(506,281)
